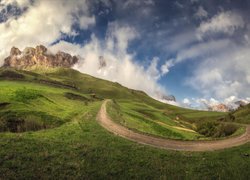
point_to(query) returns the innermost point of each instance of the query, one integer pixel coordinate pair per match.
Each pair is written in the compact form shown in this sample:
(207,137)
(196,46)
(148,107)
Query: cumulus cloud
(46,22)
(202,49)
(223,75)
(165,67)
(120,66)
(224,22)
(20,3)
(201,13)
(153,69)
(186,101)
(227,104)
(43,22)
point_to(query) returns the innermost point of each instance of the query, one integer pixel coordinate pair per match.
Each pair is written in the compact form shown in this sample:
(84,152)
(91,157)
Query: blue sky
(197,50)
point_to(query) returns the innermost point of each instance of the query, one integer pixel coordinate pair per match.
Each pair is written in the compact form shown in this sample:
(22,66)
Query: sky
(196,50)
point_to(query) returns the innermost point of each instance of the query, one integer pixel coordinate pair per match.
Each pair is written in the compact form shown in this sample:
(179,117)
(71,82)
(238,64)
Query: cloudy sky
(197,50)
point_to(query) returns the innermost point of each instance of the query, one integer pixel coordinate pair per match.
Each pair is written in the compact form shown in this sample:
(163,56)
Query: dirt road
(178,145)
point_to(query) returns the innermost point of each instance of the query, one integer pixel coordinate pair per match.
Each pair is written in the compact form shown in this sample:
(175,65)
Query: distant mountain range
(227,107)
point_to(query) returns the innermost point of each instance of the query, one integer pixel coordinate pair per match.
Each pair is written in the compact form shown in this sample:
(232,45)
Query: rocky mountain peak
(169,98)
(15,51)
(38,57)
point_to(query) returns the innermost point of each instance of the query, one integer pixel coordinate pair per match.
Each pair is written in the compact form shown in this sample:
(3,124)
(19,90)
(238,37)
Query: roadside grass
(79,148)
(82,149)
(242,115)
(146,119)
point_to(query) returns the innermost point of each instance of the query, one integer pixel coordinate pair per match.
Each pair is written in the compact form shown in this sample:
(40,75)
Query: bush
(207,128)
(17,124)
(25,95)
(11,75)
(27,121)
(215,129)
(73,96)
(227,129)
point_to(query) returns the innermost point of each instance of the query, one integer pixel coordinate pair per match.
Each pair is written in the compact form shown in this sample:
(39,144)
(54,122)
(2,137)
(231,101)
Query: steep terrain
(36,57)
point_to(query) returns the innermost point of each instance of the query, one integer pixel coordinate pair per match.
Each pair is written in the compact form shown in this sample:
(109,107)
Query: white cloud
(223,75)
(47,21)
(153,69)
(43,23)
(20,3)
(119,63)
(165,67)
(86,21)
(225,22)
(229,103)
(202,49)
(186,101)
(201,13)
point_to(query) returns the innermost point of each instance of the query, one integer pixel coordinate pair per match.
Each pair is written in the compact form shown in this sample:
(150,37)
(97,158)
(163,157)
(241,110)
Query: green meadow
(48,130)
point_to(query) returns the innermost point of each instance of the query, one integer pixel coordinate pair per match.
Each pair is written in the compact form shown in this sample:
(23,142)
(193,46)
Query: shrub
(215,129)
(25,95)
(11,75)
(73,96)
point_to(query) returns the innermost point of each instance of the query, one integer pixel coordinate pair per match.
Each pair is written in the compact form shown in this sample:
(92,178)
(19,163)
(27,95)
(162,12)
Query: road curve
(106,122)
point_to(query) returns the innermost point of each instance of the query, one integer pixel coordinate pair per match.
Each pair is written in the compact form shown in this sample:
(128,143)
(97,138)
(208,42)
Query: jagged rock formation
(219,108)
(102,62)
(227,107)
(241,103)
(169,98)
(36,57)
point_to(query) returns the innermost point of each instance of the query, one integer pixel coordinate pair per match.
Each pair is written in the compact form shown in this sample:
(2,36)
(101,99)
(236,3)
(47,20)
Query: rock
(241,103)
(15,51)
(169,98)
(102,62)
(219,107)
(41,49)
(38,57)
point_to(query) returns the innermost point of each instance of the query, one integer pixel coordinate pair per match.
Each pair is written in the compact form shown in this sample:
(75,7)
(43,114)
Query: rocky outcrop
(219,108)
(38,57)
(169,98)
(102,62)
(241,103)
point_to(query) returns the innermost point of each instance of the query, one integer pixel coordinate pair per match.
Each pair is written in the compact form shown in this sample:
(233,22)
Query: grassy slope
(140,112)
(242,115)
(161,125)
(50,105)
(80,148)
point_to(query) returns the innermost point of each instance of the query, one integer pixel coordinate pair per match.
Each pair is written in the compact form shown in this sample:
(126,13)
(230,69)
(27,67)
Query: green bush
(25,95)
(215,129)
(17,124)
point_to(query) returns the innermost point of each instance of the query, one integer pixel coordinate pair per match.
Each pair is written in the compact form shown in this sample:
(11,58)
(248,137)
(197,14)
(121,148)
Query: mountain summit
(38,57)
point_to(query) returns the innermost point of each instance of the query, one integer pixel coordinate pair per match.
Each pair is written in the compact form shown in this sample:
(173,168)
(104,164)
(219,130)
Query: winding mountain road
(158,142)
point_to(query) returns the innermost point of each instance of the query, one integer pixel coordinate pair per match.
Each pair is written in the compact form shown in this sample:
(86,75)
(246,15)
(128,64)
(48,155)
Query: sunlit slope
(28,106)
(138,111)
(54,113)
(242,115)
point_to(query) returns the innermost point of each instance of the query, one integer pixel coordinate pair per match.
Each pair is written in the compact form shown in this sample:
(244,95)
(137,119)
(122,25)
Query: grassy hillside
(81,149)
(242,115)
(26,106)
(138,111)
(48,129)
